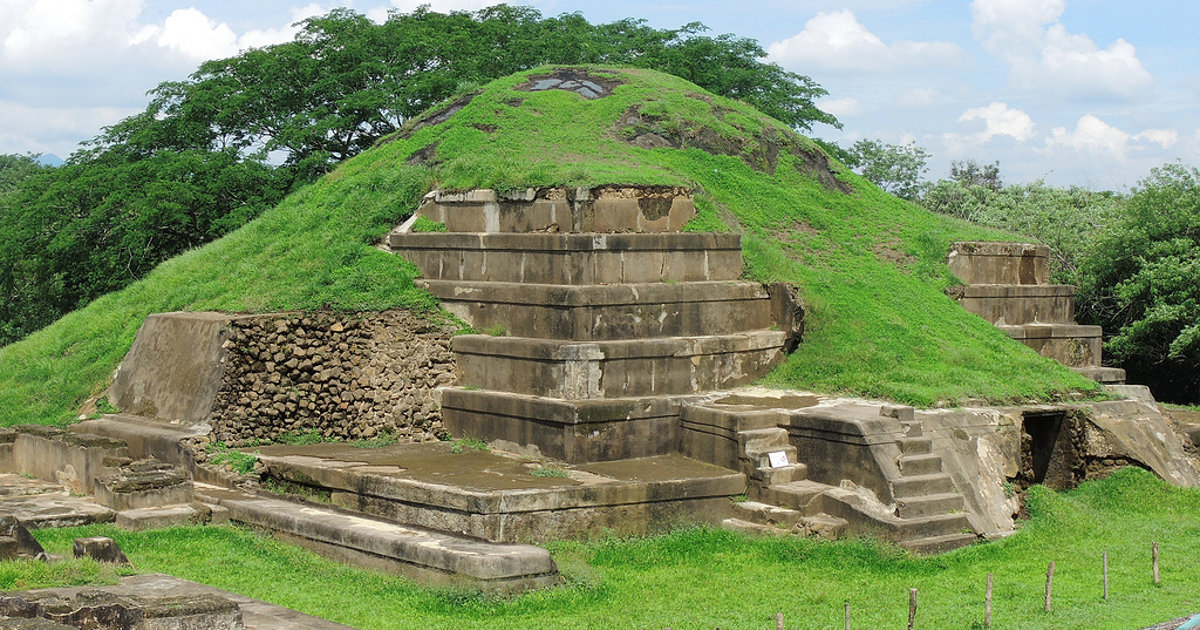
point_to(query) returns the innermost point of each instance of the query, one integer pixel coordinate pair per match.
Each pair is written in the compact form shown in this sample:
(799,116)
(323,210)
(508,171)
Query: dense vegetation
(1135,259)
(705,578)
(214,151)
(870,265)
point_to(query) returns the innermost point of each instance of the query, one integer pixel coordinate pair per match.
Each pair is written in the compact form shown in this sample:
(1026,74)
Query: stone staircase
(604,316)
(912,501)
(1008,284)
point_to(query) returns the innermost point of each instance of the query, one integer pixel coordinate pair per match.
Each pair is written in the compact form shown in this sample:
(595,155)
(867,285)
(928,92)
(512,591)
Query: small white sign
(778,459)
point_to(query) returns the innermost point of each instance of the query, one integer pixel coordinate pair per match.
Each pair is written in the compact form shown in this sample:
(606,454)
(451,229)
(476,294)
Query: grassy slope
(706,578)
(876,328)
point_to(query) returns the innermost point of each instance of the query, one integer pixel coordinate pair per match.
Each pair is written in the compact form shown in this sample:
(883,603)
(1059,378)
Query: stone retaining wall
(347,377)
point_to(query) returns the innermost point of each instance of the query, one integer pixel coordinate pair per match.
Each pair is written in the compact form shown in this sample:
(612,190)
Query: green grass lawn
(870,266)
(707,578)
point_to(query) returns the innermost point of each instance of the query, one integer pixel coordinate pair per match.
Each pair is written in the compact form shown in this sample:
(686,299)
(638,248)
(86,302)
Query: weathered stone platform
(508,498)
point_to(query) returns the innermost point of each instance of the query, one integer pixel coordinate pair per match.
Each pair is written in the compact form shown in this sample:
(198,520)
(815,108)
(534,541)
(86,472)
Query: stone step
(940,544)
(756,442)
(797,495)
(162,516)
(568,430)
(611,209)
(609,311)
(752,528)
(915,446)
(930,504)
(615,369)
(754,517)
(926,464)
(1069,344)
(425,555)
(1100,374)
(922,485)
(1000,263)
(1014,304)
(768,476)
(577,259)
(933,525)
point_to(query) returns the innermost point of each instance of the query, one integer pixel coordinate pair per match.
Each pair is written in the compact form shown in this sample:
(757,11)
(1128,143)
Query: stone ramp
(430,556)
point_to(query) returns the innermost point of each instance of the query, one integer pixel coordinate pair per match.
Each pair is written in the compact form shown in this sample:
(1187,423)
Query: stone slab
(174,368)
(424,555)
(144,437)
(1070,344)
(494,483)
(158,517)
(574,431)
(652,209)
(1000,263)
(1014,304)
(256,614)
(616,369)
(607,312)
(55,510)
(72,460)
(572,258)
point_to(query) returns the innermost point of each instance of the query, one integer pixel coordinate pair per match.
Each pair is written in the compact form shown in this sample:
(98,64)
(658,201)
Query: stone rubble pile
(346,377)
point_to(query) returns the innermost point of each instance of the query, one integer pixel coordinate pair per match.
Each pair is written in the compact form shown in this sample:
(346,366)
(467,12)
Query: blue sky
(1077,92)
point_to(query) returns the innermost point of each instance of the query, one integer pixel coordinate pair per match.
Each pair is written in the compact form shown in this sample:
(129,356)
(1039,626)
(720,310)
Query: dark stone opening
(1043,431)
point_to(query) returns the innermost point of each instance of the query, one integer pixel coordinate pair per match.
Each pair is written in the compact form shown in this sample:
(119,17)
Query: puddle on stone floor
(769,402)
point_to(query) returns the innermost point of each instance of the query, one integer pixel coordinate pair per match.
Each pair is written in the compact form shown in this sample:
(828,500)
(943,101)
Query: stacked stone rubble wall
(343,376)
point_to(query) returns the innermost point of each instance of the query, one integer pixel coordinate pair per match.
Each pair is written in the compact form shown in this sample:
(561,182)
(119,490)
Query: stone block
(71,459)
(100,549)
(15,540)
(158,517)
(143,484)
(616,369)
(1000,263)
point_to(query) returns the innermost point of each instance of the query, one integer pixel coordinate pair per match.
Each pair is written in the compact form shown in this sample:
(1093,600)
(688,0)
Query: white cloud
(838,42)
(1041,54)
(52,31)
(1091,135)
(1000,120)
(841,106)
(1165,138)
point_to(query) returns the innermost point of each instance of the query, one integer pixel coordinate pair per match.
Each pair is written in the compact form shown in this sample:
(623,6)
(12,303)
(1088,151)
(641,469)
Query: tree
(15,169)
(1065,219)
(971,173)
(896,168)
(1142,278)
(194,164)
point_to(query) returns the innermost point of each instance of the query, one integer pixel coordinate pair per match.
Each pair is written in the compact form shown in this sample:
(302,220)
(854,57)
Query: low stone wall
(347,377)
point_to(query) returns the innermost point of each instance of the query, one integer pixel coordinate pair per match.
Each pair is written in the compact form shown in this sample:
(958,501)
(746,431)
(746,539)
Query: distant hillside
(871,267)
(49,159)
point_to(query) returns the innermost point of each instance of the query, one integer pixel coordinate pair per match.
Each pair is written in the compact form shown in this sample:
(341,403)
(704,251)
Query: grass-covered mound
(870,266)
(706,578)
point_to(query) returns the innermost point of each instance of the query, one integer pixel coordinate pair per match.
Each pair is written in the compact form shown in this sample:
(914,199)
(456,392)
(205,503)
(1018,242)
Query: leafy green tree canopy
(896,168)
(344,82)
(1143,276)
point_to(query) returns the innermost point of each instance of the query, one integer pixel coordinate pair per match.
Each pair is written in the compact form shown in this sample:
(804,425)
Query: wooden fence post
(1049,584)
(987,603)
(1155,554)
(912,607)
(1105,576)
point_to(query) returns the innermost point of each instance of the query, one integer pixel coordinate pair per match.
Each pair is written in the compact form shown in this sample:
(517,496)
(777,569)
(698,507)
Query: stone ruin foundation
(342,376)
